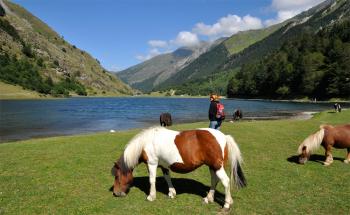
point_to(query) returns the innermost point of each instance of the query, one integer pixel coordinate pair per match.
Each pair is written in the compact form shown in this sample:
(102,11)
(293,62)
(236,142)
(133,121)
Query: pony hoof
(326,163)
(150,198)
(208,199)
(172,193)
(346,161)
(226,207)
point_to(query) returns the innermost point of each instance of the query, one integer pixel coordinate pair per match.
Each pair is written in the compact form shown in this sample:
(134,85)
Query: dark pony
(237,114)
(165,119)
(328,136)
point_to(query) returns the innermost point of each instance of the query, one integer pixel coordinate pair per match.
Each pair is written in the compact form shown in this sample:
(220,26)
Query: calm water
(23,119)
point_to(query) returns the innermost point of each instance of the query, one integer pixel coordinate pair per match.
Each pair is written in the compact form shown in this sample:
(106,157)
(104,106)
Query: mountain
(145,76)
(35,57)
(212,70)
(313,64)
(169,70)
(210,62)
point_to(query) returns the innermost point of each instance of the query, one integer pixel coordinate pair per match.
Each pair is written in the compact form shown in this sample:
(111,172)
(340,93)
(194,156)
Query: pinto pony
(181,152)
(328,136)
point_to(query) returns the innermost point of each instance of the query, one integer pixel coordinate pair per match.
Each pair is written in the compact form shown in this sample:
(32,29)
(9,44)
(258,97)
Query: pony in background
(237,114)
(181,152)
(165,119)
(328,136)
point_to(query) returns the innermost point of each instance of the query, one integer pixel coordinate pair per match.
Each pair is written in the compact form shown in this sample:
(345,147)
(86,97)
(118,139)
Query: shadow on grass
(181,185)
(314,158)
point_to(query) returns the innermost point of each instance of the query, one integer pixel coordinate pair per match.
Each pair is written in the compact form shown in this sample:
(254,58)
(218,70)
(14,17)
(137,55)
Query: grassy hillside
(8,91)
(25,38)
(242,40)
(71,175)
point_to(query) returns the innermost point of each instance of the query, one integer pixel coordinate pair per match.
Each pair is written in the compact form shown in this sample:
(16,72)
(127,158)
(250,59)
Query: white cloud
(227,26)
(186,38)
(158,43)
(287,9)
(152,53)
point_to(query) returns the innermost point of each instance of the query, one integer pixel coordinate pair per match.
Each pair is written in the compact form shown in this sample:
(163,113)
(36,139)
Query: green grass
(8,91)
(71,175)
(242,40)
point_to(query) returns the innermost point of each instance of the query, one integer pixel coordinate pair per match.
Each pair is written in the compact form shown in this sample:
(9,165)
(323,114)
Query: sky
(123,33)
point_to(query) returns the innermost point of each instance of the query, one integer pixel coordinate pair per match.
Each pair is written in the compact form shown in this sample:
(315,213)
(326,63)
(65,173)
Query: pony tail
(313,142)
(235,158)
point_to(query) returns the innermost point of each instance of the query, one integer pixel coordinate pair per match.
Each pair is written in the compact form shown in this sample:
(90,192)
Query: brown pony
(181,152)
(328,136)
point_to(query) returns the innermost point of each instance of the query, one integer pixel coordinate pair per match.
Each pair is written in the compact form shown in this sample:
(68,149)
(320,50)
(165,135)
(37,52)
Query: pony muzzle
(303,160)
(119,194)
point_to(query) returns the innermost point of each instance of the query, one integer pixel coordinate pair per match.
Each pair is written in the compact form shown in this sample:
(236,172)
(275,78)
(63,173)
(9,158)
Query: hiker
(216,112)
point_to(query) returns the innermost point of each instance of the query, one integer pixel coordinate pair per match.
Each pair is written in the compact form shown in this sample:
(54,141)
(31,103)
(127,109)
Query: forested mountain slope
(215,78)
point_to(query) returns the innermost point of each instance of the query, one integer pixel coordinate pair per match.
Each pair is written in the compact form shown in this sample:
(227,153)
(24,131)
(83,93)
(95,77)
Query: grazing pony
(182,152)
(165,119)
(328,136)
(237,114)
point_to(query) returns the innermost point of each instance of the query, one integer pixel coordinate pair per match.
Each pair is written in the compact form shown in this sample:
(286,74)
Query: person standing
(214,117)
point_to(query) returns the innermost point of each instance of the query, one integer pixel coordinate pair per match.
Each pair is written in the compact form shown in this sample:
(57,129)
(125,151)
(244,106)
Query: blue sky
(122,33)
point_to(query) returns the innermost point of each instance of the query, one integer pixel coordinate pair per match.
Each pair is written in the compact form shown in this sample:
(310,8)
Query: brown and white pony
(328,136)
(181,152)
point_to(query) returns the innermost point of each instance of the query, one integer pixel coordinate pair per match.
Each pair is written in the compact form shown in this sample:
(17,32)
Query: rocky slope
(24,37)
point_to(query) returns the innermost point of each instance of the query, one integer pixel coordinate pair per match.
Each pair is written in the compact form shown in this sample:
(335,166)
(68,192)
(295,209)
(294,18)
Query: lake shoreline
(305,115)
(49,97)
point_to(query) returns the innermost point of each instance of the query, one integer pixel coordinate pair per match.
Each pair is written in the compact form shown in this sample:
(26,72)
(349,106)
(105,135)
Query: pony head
(304,155)
(123,178)
(309,145)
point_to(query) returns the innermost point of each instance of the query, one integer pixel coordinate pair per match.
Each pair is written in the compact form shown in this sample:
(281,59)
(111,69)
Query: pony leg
(347,160)
(152,180)
(172,191)
(329,157)
(221,174)
(214,182)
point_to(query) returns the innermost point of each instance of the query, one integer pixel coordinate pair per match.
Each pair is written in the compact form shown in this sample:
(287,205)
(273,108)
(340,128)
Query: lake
(23,119)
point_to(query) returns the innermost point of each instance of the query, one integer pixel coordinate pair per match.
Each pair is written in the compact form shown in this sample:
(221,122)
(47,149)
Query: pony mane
(135,146)
(312,142)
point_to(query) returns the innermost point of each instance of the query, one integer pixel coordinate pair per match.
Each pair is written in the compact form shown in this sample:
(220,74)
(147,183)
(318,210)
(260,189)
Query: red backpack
(220,114)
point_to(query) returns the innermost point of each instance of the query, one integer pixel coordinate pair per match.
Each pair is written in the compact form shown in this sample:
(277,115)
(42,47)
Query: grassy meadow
(71,174)
(8,91)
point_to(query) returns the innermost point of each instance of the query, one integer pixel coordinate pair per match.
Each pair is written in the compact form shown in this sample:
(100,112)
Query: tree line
(312,65)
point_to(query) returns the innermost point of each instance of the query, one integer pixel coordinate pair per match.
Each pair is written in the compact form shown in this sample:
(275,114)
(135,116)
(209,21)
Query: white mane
(135,146)
(312,142)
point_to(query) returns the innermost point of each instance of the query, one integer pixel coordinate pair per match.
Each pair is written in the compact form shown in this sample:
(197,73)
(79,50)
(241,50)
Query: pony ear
(116,165)
(303,149)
